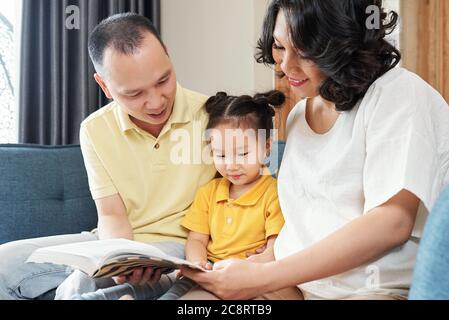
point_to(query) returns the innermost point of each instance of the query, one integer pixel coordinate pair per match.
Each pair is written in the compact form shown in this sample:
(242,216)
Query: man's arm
(113,223)
(112,218)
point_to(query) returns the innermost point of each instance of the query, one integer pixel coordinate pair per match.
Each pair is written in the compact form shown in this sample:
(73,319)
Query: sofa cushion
(43,191)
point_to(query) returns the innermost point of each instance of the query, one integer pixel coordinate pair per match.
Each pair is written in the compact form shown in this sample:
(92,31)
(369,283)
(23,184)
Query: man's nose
(154,101)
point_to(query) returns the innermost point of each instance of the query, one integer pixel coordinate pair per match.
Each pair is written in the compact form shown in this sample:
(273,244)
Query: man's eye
(134,95)
(163,81)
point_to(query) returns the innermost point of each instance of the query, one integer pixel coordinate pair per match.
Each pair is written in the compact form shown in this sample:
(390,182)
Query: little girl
(237,215)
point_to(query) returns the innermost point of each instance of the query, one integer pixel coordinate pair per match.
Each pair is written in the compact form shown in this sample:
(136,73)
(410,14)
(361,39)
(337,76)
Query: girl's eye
(243,154)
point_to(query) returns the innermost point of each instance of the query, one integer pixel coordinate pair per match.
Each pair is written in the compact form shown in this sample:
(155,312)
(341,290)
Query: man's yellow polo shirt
(235,226)
(157,178)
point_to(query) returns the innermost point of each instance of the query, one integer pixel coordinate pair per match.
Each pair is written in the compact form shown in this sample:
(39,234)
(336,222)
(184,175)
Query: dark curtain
(57,89)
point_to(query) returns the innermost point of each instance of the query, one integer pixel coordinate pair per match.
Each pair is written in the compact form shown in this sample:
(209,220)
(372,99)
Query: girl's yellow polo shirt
(235,226)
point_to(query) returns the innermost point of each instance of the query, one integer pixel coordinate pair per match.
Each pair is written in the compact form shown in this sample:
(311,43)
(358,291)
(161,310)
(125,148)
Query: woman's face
(303,75)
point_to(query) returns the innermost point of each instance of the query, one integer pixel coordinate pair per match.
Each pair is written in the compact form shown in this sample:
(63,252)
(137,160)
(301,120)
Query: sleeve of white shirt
(402,145)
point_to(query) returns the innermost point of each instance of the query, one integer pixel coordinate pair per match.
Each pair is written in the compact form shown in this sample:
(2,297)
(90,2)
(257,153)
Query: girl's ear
(268,145)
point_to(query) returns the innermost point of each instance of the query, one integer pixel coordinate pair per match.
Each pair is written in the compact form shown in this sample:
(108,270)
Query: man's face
(143,83)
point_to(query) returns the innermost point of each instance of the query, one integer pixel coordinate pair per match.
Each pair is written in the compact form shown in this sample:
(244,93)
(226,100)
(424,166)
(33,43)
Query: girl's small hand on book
(205,265)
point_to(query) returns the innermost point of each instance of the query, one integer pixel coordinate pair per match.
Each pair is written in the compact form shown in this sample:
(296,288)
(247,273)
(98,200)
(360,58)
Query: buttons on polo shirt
(230,204)
(156,146)
(229,220)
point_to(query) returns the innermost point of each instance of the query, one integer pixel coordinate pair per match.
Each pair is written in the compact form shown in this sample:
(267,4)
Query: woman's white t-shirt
(396,138)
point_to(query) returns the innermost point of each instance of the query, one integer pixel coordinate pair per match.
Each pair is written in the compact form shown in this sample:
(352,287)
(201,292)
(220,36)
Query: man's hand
(140,276)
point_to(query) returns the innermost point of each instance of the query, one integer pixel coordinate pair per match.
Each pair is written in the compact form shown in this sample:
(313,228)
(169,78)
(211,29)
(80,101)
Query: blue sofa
(431,274)
(43,192)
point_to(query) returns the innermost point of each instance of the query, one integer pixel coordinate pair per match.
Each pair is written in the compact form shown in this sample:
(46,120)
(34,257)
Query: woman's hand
(140,276)
(233,279)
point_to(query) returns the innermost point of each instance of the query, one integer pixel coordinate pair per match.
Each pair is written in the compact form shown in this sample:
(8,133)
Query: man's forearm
(109,227)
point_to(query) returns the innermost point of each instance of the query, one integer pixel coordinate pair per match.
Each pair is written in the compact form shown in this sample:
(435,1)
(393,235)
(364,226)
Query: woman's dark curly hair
(255,112)
(334,35)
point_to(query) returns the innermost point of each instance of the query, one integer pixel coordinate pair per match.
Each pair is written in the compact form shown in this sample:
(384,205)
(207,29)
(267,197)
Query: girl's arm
(365,239)
(196,248)
(267,254)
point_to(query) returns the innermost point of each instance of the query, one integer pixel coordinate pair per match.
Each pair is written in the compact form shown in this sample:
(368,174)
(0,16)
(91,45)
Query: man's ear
(102,85)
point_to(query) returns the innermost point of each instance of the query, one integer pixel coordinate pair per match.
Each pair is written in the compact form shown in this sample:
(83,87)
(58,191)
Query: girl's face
(238,154)
(303,75)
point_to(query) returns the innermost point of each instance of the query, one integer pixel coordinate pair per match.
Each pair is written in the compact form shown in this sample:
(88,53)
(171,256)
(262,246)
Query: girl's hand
(205,265)
(258,251)
(266,256)
(233,279)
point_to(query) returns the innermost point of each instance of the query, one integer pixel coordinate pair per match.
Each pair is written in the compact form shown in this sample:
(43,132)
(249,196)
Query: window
(9,13)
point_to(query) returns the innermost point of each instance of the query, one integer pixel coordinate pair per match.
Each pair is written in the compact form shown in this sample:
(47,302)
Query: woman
(366,157)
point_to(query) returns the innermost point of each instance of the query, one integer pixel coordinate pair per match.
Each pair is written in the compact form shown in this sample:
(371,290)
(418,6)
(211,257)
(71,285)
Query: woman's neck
(321,114)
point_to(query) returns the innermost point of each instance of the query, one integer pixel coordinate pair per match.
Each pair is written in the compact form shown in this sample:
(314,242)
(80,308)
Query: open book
(109,258)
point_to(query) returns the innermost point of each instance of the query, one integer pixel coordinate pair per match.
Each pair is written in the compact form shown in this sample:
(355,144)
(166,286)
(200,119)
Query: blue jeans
(79,286)
(20,280)
(431,274)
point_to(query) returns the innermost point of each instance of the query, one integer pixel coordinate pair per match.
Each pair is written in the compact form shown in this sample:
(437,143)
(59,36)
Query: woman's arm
(364,239)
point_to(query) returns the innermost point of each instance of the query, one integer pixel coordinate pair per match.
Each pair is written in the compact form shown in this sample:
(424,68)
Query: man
(140,190)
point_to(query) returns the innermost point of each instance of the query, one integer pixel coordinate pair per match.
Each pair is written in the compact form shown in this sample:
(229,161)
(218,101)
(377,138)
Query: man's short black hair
(124,32)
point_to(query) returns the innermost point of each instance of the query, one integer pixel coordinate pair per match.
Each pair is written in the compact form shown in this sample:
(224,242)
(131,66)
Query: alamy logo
(373,279)
(72,21)
(373,20)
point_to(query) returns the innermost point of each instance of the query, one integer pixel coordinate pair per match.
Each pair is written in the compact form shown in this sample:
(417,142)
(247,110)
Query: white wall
(212,44)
